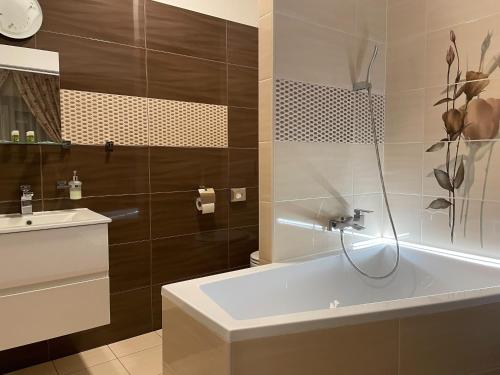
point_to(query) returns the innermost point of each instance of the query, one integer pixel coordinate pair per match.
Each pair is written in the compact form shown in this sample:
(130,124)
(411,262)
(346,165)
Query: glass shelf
(63,144)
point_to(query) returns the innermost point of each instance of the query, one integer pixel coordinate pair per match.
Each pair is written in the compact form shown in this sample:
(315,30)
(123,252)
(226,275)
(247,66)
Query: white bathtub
(327,292)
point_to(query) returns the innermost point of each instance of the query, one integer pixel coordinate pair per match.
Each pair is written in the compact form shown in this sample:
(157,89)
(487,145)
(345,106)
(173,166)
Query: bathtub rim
(189,296)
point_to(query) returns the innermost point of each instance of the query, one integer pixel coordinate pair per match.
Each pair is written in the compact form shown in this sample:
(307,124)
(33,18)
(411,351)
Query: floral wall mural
(470,121)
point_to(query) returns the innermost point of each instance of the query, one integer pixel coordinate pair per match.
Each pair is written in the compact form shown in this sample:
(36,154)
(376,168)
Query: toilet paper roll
(205,203)
(207,208)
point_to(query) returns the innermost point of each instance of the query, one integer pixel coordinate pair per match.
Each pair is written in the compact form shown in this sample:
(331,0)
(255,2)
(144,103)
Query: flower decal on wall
(467,117)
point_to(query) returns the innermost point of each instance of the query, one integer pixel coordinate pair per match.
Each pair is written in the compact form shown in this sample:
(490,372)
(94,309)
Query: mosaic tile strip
(314,113)
(90,118)
(187,124)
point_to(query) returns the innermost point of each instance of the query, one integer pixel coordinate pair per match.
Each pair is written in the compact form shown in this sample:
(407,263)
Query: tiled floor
(139,355)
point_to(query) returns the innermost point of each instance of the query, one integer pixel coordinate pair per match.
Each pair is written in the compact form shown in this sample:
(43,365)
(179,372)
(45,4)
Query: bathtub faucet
(356,221)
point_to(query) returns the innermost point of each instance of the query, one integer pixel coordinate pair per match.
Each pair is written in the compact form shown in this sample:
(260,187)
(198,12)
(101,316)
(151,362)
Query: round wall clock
(20,19)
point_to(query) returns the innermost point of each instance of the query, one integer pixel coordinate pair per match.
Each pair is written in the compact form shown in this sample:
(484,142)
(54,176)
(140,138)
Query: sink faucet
(357,221)
(26,200)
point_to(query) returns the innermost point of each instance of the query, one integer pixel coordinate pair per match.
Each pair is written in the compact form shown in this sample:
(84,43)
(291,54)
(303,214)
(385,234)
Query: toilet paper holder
(205,202)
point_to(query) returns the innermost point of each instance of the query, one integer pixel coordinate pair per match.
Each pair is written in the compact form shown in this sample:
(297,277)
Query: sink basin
(50,220)
(53,265)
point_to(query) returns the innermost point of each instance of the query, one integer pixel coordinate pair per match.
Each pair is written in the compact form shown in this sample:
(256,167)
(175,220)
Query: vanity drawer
(41,256)
(41,314)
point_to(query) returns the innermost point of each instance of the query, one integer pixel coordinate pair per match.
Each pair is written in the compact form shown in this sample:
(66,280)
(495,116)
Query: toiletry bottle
(75,188)
(30,136)
(14,136)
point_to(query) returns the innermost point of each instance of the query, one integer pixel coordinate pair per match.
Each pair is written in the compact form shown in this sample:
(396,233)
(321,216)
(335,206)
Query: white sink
(54,275)
(50,220)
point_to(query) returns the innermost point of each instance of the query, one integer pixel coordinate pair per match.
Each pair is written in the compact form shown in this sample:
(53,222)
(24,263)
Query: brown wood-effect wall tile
(189,33)
(130,266)
(23,356)
(174,214)
(242,243)
(182,169)
(242,44)
(187,79)
(123,171)
(157,306)
(242,214)
(243,167)
(26,43)
(14,207)
(20,165)
(90,65)
(243,127)
(243,87)
(130,316)
(184,257)
(120,21)
(130,214)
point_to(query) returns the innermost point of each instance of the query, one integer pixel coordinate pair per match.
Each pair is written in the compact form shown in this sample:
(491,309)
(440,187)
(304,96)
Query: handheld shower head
(367,84)
(369,72)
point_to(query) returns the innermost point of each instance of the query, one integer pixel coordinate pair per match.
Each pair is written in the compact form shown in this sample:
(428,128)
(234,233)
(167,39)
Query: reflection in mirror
(29,102)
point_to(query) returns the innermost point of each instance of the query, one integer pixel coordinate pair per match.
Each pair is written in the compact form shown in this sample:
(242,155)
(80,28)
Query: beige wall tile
(374,221)
(444,14)
(266,53)
(366,178)
(315,54)
(469,39)
(354,350)
(481,161)
(266,110)
(83,360)
(403,167)
(337,14)
(294,225)
(301,226)
(405,19)
(135,344)
(312,170)
(323,239)
(266,171)
(406,65)
(406,212)
(404,117)
(266,231)
(435,226)
(476,227)
(371,19)
(265,6)
(456,342)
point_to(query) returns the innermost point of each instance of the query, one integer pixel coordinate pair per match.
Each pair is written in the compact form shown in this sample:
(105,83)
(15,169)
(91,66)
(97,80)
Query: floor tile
(135,344)
(43,369)
(147,362)
(83,360)
(109,368)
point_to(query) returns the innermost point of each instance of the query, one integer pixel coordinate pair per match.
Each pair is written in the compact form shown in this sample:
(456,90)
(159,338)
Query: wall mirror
(30,109)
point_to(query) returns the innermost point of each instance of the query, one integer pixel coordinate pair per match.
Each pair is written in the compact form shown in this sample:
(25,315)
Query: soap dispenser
(75,188)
